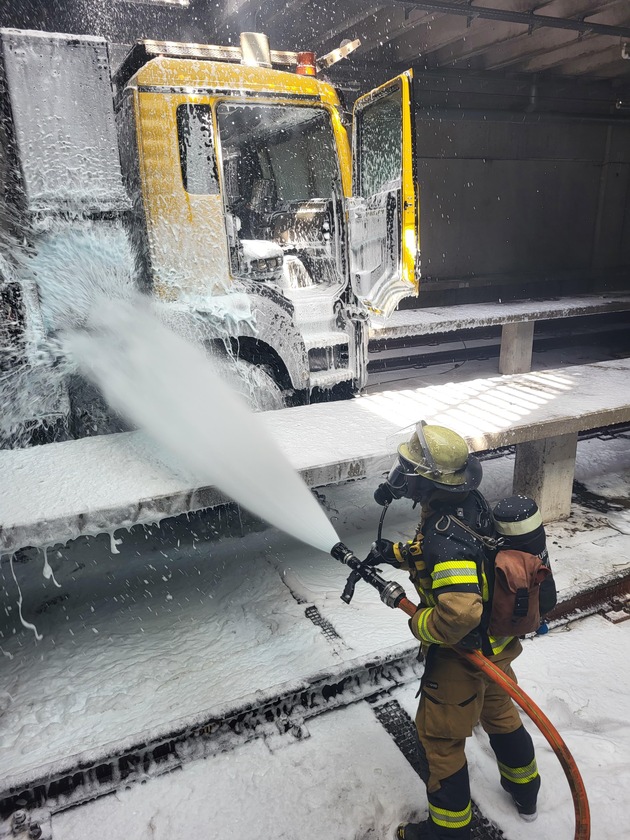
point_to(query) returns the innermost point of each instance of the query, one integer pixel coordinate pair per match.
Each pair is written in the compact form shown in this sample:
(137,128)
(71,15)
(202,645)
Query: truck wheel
(255,383)
(89,413)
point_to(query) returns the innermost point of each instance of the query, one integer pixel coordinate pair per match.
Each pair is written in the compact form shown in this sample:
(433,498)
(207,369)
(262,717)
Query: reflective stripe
(519,775)
(430,599)
(423,630)
(451,819)
(453,572)
(500,643)
(515,529)
(427,598)
(397,553)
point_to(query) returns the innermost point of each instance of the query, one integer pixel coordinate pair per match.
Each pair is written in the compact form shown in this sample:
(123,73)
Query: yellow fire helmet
(441,455)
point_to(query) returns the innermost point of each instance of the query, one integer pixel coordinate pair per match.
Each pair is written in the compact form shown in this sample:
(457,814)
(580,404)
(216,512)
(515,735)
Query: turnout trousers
(455,697)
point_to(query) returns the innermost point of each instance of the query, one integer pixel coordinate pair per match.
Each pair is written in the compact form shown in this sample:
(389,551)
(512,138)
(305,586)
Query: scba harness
(510,576)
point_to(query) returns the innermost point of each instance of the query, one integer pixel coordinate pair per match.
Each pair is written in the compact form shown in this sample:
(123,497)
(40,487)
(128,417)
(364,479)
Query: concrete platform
(410,322)
(517,319)
(58,492)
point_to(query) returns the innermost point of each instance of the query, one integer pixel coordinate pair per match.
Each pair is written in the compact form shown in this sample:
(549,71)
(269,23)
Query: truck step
(325,339)
(328,378)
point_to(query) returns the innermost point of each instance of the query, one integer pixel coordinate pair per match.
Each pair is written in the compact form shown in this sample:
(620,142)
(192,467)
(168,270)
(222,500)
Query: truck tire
(254,382)
(89,413)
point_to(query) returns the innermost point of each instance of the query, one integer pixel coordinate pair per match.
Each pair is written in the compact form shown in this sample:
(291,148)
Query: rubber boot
(528,811)
(517,766)
(415,831)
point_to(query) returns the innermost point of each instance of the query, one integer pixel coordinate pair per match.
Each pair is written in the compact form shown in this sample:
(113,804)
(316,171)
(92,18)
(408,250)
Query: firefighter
(445,564)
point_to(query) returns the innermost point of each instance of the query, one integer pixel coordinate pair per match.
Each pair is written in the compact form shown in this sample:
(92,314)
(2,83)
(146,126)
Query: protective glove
(471,641)
(382,551)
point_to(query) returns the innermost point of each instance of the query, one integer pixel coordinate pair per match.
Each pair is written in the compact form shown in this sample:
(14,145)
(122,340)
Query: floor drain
(325,626)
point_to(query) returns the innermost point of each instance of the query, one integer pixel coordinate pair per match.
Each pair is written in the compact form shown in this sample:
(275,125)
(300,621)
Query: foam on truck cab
(59,115)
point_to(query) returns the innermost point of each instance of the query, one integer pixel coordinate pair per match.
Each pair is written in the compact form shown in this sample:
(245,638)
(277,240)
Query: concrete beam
(392,24)
(521,48)
(542,41)
(442,319)
(54,493)
(577,48)
(234,9)
(478,42)
(329,38)
(607,63)
(528,19)
(429,33)
(544,470)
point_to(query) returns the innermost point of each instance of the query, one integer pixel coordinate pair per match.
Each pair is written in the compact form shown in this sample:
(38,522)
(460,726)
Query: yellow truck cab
(264,233)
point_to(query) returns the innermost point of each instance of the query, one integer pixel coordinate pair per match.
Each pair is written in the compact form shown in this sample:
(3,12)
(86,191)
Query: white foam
(47,571)
(24,622)
(162,383)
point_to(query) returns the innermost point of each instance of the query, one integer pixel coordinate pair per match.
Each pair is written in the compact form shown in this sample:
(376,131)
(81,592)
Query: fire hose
(393,595)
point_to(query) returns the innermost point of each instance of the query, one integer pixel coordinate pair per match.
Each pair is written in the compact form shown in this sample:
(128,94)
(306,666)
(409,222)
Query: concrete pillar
(544,471)
(517,341)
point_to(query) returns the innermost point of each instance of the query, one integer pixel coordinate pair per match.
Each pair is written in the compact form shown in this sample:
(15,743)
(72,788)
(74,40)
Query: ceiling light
(183,3)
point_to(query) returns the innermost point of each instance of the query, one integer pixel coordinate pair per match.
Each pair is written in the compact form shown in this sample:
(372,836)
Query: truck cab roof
(183,68)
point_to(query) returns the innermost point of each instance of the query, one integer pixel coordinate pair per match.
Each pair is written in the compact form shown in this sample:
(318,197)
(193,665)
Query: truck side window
(380,145)
(196,149)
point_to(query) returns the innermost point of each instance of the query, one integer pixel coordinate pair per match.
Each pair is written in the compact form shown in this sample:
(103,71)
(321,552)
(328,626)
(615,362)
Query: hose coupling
(392,593)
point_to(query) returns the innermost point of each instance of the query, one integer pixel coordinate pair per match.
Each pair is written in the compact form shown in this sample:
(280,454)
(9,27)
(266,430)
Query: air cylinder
(518,521)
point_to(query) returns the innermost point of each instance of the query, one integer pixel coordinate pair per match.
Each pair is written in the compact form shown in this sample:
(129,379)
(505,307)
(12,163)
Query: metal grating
(326,627)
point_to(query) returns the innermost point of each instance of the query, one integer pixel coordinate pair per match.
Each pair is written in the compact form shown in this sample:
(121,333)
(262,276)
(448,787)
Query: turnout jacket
(447,566)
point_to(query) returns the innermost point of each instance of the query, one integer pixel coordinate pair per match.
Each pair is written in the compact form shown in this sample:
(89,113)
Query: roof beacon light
(306,65)
(255,50)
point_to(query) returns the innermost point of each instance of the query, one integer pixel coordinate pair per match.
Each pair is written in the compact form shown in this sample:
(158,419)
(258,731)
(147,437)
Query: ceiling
(575,38)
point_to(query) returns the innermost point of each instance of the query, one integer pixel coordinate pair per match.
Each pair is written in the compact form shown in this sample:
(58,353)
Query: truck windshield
(281,186)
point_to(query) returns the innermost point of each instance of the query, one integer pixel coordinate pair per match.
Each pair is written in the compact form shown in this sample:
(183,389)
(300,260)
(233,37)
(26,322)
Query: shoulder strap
(447,519)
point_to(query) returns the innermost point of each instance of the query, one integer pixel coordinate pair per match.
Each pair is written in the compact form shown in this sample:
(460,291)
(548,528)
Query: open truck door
(383,217)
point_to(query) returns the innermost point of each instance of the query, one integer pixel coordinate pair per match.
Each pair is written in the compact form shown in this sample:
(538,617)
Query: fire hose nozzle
(392,593)
(342,553)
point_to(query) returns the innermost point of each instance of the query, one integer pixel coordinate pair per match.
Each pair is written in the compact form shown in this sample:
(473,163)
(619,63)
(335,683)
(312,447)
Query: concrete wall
(519,204)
